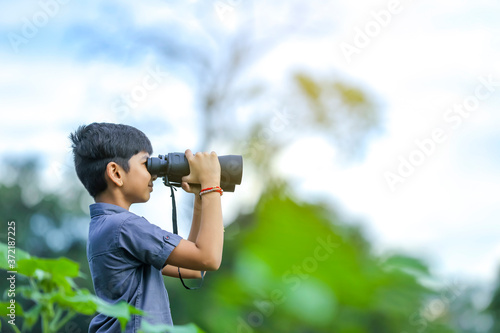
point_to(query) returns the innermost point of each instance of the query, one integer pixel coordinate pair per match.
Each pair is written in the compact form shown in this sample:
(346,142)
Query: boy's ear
(114,173)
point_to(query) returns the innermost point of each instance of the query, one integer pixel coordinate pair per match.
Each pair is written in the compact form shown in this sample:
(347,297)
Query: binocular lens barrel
(175,165)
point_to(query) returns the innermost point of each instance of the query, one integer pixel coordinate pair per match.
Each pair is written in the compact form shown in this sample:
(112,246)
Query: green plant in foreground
(58,299)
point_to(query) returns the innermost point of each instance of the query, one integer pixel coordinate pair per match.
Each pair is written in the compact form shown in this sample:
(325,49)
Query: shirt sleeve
(147,242)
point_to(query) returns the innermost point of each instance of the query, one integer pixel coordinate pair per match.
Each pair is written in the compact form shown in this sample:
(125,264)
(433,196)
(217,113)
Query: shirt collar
(102,208)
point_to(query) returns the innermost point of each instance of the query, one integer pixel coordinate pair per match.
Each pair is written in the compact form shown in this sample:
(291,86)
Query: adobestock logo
(32,25)
(426,147)
(139,92)
(277,127)
(363,37)
(292,280)
(225,9)
(435,308)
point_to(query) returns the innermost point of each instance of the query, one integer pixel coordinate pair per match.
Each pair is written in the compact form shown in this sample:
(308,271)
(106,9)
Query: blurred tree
(56,296)
(52,222)
(271,280)
(494,308)
(466,307)
(48,224)
(296,267)
(218,54)
(289,266)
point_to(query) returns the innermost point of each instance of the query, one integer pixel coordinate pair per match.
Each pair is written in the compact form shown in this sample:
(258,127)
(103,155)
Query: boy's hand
(191,188)
(204,170)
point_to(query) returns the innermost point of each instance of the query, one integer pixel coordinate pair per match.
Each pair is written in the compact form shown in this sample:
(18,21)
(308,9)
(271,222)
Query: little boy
(128,255)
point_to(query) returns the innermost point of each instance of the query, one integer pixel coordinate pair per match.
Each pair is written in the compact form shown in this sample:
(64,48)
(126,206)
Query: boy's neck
(106,197)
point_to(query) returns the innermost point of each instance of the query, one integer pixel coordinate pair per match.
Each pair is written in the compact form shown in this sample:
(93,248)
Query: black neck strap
(174,225)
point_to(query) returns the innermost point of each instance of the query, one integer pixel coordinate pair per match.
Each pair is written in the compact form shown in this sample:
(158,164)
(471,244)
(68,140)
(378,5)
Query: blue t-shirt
(126,254)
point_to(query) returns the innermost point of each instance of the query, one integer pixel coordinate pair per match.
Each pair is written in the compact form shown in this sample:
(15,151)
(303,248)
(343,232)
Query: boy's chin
(143,199)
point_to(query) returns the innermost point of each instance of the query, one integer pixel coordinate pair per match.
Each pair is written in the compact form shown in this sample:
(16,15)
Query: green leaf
(33,294)
(83,302)
(407,264)
(313,302)
(122,311)
(31,316)
(5,309)
(4,256)
(189,328)
(63,283)
(60,267)
(26,291)
(350,95)
(311,88)
(150,328)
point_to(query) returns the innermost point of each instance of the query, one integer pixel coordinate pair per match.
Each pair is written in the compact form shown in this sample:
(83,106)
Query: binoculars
(173,166)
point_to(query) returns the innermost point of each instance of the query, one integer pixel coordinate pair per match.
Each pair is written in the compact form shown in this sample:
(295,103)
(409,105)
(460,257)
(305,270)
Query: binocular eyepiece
(174,166)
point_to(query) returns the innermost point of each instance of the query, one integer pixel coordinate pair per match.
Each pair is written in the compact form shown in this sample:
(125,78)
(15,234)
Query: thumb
(185,186)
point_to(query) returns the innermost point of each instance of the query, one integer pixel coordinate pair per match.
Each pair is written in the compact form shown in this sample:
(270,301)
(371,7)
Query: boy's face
(138,182)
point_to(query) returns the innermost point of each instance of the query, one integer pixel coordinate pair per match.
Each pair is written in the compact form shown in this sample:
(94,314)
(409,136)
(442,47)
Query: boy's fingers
(191,188)
(189,156)
(195,188)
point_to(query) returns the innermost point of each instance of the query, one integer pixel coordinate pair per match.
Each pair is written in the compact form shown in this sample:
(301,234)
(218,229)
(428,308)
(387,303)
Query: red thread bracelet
(212,189)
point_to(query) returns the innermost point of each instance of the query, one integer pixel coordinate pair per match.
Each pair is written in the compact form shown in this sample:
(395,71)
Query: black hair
(97,144)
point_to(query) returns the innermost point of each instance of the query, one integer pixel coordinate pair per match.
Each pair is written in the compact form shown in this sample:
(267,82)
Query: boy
(127,255)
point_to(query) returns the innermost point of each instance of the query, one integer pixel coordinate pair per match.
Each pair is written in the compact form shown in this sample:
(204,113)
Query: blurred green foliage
(57,298)
(51,221)
(50,298)
(288,266)
(296,267)
(344,113)
(48,223)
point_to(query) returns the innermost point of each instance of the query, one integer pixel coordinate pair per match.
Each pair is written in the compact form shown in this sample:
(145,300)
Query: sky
(427,184)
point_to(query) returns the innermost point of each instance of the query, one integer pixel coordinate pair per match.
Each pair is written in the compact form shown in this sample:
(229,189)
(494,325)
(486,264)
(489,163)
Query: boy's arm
(205,252)
(195,224)
(172,271)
